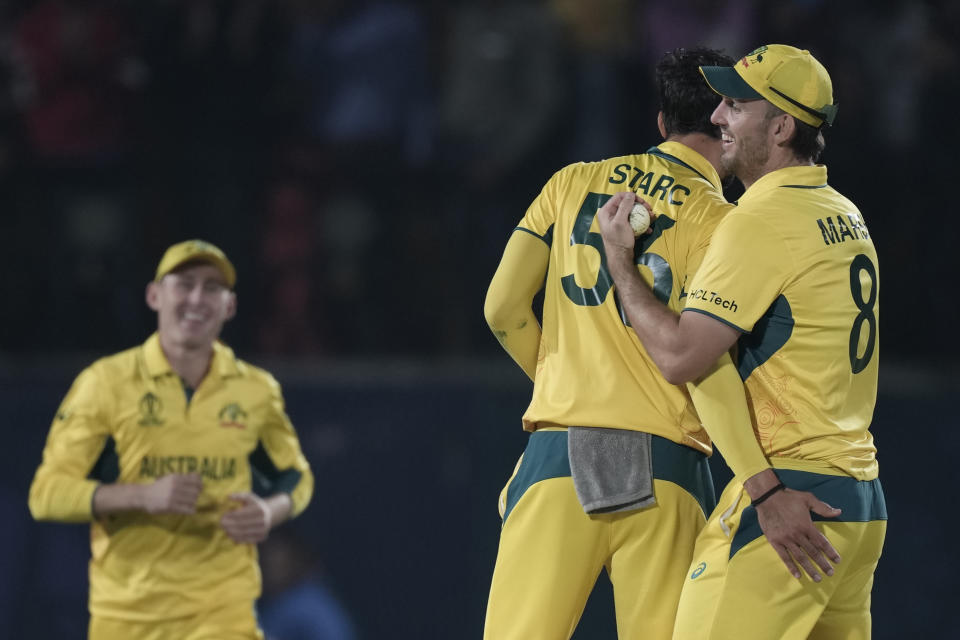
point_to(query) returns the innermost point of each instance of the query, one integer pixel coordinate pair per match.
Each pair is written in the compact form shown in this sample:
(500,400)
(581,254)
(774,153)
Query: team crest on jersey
(755,56)
(233,416)
(150,409)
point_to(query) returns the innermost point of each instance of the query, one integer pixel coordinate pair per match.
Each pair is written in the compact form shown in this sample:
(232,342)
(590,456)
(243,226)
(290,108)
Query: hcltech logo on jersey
(150,409)
(233,416)
(698,571)
(715,298)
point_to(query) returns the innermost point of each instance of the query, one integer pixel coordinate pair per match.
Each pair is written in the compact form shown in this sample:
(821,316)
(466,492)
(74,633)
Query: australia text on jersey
(210,467)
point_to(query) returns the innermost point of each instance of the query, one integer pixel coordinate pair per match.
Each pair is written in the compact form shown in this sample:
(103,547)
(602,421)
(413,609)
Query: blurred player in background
(615,471)
(791,279)
(160,447)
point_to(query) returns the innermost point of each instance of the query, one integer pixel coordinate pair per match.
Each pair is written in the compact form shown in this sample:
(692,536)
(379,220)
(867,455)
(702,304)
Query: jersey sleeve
(541,215)
(278,464)
(61,488)
(721,403)
(743,271)
(508,307)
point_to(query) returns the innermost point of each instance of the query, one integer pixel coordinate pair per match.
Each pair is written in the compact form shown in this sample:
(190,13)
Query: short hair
(807,142)
(686,100)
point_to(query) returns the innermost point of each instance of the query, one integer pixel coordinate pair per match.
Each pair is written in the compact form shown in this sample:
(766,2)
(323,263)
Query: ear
(660,125)
(153,295)
(231,306)
(784,127)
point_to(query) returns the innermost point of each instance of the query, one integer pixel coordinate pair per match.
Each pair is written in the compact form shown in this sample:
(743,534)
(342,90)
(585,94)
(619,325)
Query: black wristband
(779,487)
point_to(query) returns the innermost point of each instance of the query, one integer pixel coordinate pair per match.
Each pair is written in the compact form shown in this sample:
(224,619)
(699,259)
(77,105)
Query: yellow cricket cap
(200,251)
(788,77)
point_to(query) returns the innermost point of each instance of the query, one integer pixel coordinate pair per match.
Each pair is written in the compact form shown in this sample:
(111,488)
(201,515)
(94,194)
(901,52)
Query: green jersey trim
(859,501)
(716,317)
(769,334)
(107,467)
(267,478)
(804,186)
(653,151)
(546,457)
(547,237)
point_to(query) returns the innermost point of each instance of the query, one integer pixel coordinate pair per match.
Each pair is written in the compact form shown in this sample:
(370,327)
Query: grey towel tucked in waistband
(612,468)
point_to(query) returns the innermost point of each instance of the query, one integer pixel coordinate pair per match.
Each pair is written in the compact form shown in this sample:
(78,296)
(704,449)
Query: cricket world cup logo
(150,409)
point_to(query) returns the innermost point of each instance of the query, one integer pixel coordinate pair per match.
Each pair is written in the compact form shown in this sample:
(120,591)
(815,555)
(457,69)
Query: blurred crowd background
(363,163)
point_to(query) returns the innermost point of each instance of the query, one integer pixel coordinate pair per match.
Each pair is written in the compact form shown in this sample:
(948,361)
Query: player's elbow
(675,376)
(37,505)
(676,370)
(495,313)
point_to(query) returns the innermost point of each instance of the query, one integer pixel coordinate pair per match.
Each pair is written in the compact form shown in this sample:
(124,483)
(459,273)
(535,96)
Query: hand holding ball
(639,219)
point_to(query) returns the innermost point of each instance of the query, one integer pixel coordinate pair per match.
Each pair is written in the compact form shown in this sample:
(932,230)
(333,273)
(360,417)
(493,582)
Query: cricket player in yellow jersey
(615,471)
(160,447)
(791,279)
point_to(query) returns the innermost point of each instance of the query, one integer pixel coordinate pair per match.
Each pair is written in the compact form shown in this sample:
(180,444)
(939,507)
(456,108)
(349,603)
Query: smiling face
(192,304)
(746,130)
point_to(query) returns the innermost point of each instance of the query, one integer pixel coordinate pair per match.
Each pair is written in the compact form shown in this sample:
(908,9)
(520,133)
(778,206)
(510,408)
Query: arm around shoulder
(683,347)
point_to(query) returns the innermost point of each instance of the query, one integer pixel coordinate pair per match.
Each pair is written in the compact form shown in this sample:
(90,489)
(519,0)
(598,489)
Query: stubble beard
(747,160)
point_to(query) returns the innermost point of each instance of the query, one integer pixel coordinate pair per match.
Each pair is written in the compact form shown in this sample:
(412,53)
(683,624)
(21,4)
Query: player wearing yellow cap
(615,470)
(160,447)
(791,280)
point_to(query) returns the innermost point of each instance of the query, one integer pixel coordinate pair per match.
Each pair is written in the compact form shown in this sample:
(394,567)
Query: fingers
(190,479)
(787,560)
(626,204)
(807,556)
(614,206)
(173,493)
(824,546)
(786,522)
(800,555)
(814,549)
(248,524)
(819,540)
(813,552)
(186,491)
(183,505)
(822,508)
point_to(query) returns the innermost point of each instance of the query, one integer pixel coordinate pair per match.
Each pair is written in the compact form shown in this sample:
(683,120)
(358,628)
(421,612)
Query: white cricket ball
(639,219)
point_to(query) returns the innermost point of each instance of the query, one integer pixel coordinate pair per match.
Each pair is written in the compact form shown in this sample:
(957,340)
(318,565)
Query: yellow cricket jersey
(794,268)
(592,369)
(127,419)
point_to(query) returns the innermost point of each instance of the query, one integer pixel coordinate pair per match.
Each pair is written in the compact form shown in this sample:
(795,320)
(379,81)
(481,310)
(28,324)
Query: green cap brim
(728,83)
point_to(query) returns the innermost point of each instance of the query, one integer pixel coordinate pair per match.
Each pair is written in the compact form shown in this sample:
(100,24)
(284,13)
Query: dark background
(363,163)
